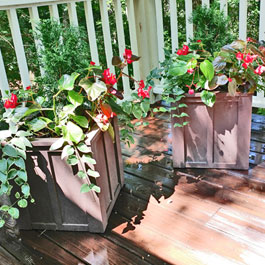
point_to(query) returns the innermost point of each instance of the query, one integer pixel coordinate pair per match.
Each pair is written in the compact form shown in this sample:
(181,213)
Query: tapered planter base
(217,137)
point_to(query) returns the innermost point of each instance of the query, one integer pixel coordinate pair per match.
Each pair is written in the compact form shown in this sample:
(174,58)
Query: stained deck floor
(166,216)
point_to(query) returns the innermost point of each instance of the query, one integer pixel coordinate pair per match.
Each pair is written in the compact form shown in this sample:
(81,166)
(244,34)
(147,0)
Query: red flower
(259,70)
(127,55)
(28,87)
(191,91)
(199,41)
(190,71)
(92,63)
(229,79)
(11,103)
(248,59)
(109,78)
(143,93)
(245,65)
(239,56)
(250,40)
(101,118)
(107,111)
(184,50)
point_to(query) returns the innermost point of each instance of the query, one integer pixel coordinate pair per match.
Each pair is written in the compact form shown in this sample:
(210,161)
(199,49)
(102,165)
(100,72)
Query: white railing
(146,32)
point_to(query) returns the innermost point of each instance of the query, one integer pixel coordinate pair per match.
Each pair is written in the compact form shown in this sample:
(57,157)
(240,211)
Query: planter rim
(221,94)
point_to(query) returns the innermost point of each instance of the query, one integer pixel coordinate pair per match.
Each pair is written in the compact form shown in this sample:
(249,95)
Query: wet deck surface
(164,216)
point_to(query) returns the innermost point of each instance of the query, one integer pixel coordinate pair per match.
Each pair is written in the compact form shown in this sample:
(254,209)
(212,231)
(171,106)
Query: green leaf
(80,120)
(137,112)
(10,150)
(67,151)
(17,142)
(178,68)
(145,106)
(37,124)
(4,208)
(23,133)
(22,153)
(95,90)
(111,133)
(22,203)
(25,141)
(2,223)
(207,69)
(85,188)
(20,163)
(3,165)
(22,175)
(82,147)
(14,212)
(127,107)
(75,98)
(178,125)
(4,134)
(93,173)
(67,82)
(32,200)
(4,188)
(19,181)
(11,161)
(17,195)
(12,173)
(88,159)
(82,174)
(88,187)
(181,115)
(208,98)
(25,189)
(232,87)
(72,160)
(182,105)
(57,144)
(75,132)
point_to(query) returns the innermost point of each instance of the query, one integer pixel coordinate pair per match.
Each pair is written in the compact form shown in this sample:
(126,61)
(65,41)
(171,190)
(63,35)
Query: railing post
(3,78)
(146,35)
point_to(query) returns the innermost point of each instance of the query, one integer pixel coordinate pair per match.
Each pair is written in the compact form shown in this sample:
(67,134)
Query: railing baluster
(206,3)
(133,36)
(189,26)
(223,7)
(160,30)
(106,34)
(243,19)
(35,19)
(262,20)
(54,13)
(19,48)
(121,41)
(174,25)
(3,78)
(72,14)
(91,31)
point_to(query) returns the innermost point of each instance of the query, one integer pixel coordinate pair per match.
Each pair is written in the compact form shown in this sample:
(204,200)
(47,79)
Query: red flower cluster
(109,78)
(259,70)
(143,93)
(92,63)
(229,79)
(183,51)
(127,55)
(28,87)
(199,41)
(12,102)
(246,57)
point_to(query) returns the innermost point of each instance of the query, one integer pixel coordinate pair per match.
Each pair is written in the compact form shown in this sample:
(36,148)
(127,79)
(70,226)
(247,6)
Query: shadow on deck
(166,216)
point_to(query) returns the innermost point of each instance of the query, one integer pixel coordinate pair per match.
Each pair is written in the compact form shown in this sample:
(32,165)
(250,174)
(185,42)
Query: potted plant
(211,101)
(60,153)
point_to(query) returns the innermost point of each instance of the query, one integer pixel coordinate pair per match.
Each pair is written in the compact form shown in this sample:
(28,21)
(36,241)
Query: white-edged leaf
(67,151)
(58,144)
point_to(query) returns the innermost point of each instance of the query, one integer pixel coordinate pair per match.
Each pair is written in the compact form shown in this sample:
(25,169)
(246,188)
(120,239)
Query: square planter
(217,137)
(55,186)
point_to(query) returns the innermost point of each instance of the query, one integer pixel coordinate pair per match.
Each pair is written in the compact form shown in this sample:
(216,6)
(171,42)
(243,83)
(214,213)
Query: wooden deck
(164,216)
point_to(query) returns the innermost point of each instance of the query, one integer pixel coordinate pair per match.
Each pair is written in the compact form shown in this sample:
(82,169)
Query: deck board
(166,216)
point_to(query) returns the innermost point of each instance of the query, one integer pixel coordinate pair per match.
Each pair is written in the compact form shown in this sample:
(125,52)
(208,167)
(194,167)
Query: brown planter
(217,137)
(56,187)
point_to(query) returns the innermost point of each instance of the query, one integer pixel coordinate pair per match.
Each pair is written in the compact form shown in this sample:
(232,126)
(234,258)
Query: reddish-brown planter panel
(55,187)
(217,137)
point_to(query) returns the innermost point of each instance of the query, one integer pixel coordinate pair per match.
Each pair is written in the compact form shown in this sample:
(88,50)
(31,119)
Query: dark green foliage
(211,27)
(65,50)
